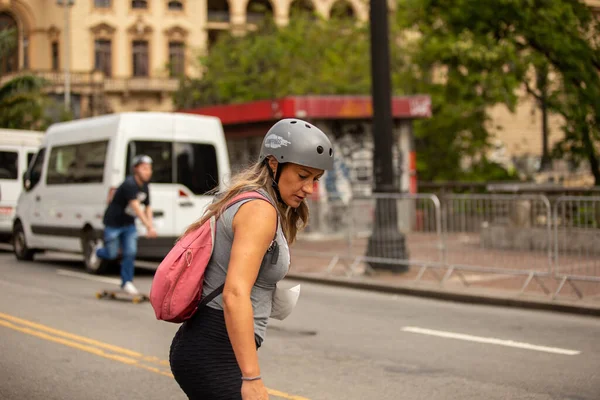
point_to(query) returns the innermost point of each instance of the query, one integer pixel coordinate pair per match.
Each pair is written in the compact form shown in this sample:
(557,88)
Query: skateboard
(118,294)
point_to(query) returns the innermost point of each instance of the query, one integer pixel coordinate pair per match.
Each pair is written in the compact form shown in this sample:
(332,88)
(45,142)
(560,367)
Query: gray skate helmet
(295,141)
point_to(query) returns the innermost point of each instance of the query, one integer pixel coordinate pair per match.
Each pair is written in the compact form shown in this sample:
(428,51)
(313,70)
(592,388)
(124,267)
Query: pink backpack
(177,286)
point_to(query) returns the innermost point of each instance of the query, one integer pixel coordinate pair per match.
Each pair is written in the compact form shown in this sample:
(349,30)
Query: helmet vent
(307,125)
(293,122)
(320,149)
(330,152)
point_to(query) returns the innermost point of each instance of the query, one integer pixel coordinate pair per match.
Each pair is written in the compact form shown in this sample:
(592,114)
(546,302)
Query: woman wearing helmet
(214,354)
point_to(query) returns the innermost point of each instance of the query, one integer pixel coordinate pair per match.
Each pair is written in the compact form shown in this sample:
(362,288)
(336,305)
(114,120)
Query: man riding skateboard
(119,221)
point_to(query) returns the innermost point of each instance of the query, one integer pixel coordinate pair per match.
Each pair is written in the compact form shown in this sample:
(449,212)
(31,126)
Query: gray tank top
(269,274)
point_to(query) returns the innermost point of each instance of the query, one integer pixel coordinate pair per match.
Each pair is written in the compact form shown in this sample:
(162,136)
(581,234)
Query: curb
(487,298)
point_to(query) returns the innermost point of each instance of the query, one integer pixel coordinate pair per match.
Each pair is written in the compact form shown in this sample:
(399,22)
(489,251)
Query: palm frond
(21,84)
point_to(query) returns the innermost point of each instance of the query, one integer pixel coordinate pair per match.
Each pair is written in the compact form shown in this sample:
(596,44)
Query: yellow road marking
(71,336)
(70,340)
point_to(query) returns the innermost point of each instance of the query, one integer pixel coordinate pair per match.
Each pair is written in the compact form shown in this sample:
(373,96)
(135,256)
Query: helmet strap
(275,178)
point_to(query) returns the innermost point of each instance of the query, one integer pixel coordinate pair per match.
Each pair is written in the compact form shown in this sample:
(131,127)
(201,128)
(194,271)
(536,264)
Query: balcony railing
(218,16)
(140,84)
(87,80)
(55,78)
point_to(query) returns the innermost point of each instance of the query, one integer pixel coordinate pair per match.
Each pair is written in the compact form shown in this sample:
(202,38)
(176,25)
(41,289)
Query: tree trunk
(591,154)
(542,86)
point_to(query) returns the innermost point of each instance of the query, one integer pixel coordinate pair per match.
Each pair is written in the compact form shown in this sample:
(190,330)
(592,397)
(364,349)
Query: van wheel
(22,252)
(93,264)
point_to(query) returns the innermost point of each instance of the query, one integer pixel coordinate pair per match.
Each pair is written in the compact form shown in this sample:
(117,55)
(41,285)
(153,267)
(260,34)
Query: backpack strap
(236,199)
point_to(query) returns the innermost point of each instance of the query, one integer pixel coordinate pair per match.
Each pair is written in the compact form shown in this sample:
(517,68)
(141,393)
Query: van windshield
(193,165)
(9,167)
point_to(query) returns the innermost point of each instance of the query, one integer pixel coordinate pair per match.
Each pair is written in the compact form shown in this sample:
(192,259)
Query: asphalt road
(57,341)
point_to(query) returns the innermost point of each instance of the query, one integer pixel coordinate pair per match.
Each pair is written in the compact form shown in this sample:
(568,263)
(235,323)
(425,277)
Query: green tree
(307,57)
(557,36)
(316,57)
(465,76)
(22,101)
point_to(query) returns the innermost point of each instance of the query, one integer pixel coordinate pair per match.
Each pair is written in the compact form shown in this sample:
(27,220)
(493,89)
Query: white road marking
(83,275)
(500,342)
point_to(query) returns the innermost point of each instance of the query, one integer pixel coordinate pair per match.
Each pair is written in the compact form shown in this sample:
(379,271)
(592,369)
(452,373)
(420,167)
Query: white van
(17,148)
(82,162)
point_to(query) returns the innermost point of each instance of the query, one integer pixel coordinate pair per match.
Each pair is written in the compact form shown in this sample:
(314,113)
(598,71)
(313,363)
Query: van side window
(9,165)
(35,171)
(80,163)
(92,157)
(197,167)
(29,158)
(193,165)
(59,165)
(162,158)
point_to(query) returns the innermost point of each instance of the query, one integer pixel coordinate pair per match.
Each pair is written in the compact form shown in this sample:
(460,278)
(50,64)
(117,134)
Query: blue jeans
(126,236)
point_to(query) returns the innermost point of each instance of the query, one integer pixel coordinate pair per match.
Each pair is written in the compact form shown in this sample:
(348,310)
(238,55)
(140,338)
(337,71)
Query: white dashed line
(487,340)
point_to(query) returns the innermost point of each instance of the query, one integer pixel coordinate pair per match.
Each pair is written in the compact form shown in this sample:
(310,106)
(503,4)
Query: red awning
(314,107)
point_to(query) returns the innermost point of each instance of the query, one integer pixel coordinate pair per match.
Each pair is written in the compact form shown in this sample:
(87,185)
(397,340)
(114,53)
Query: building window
(102,3)
(143,4)
(175,5)
(140,58)
(25,53)
(55,57)
(342,9)
(176,59)
(9,62)
(103,56)
(218,10)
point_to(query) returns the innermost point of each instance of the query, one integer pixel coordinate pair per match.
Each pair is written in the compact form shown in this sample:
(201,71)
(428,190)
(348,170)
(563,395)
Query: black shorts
(202,358)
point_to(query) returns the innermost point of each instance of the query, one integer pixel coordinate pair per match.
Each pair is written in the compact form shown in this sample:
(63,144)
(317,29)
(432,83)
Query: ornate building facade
(127,55)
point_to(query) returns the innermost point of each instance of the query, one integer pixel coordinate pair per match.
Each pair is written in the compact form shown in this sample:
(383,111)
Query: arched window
(302,7)
(141,4)
(257,10)
(218,10)
(102,3)
(9,62)
(175,5)
(342,9)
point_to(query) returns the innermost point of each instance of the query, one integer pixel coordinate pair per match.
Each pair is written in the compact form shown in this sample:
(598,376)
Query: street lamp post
(67,4)
(386,241)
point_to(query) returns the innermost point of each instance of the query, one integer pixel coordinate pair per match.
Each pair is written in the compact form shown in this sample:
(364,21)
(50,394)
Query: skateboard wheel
(136,300)
(98,295)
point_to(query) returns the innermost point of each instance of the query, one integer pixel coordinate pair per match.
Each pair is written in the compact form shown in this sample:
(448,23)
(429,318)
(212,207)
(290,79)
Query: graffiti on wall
(353,166)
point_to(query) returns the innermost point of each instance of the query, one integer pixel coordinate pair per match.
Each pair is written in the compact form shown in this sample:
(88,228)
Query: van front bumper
(6,223)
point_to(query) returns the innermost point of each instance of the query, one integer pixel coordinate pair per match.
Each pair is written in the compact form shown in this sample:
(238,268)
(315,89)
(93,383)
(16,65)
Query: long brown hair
(254,178)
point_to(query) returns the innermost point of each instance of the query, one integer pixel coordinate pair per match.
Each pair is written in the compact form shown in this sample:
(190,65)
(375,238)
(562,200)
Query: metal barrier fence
(345,231)
(577,240)
(499,234)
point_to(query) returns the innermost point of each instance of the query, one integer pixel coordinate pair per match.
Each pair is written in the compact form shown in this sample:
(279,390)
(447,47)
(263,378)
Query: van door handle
(186,204)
